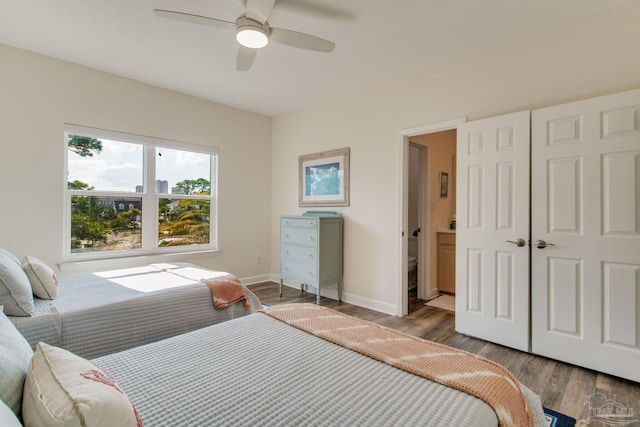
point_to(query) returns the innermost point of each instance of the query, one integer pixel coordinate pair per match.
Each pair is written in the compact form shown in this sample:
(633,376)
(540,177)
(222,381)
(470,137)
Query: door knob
(541,244)
(518,242)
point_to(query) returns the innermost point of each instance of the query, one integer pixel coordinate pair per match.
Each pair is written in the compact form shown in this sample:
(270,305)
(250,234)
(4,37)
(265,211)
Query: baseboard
(257,279)
(331,291)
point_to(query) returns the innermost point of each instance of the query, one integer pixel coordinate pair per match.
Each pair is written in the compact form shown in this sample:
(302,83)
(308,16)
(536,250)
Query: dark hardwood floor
(561,387)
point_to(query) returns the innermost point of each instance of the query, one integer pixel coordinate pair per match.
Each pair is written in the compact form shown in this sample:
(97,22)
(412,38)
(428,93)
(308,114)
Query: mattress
(100,313)
(256,370)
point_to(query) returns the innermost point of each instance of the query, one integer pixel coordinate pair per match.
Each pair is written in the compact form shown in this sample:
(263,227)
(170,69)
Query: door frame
(402,298)
(423,217)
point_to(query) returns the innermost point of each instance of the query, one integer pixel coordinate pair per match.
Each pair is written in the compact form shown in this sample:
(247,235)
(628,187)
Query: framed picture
(444,184)
(323,178)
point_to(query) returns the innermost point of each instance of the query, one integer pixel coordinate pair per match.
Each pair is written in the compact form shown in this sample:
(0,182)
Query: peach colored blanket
(226,290)
(454,368)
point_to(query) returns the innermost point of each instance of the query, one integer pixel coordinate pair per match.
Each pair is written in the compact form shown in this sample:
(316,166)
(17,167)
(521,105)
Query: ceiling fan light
(252,36)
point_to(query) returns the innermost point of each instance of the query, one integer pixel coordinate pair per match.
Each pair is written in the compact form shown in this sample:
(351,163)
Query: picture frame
(444,185)
(323,178)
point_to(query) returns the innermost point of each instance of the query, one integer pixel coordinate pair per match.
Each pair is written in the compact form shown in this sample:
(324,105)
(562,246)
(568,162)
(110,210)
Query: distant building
(162,186)
(126,205)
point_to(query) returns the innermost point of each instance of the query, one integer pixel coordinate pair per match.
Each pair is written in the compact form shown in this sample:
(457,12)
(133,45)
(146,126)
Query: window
(129,195)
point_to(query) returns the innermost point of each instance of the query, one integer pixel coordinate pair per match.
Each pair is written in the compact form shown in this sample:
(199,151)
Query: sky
(119,166)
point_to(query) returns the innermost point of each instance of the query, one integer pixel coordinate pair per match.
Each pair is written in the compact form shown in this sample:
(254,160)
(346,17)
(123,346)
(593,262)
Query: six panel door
(586,209)
(492,254)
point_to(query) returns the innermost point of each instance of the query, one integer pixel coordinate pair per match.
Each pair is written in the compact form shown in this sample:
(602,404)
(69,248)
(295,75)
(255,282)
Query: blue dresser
(311,250)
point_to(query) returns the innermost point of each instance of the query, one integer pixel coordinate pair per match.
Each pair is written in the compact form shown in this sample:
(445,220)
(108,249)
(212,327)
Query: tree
(78,185)
(84,146)
(194,186)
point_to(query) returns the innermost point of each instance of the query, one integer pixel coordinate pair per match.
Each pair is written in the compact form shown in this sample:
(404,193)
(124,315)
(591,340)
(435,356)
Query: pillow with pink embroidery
(44,282)
(62,389)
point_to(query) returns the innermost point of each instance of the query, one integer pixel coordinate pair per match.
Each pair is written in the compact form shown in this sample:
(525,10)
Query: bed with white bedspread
(258,370)
(104,312)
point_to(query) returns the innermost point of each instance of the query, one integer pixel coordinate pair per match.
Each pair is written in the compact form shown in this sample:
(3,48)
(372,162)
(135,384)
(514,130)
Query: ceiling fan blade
(194,19)
(259,10)
(245,58)
(301,40)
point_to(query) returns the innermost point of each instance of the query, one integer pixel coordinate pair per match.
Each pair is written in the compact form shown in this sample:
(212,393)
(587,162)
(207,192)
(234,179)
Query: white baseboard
(331,291)
(252,280)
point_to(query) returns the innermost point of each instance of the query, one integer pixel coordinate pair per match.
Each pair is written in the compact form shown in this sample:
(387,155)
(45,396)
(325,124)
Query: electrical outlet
(258,259)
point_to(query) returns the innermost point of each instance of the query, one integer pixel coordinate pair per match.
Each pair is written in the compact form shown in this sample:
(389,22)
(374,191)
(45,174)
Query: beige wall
(40,94)
(593,56)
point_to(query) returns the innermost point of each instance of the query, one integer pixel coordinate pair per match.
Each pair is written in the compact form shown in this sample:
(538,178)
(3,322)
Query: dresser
(311,250)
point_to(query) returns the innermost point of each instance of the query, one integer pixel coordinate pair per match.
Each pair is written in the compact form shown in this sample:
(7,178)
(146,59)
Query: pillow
(43,280)
(63,389)
(15,355)
(15,290)
(9,255)
(8,418)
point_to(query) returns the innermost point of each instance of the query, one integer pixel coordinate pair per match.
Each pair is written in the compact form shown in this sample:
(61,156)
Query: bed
(104,312)
(259,369)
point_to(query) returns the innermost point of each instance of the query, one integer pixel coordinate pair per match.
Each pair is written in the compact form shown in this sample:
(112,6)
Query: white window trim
(151,252)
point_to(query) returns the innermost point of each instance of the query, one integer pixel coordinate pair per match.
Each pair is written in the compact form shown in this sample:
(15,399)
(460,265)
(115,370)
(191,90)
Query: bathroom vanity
(311,250)
(447,261)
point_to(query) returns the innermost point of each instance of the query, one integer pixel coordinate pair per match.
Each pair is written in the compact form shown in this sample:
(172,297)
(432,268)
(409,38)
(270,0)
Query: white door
(586,202)
(492,213)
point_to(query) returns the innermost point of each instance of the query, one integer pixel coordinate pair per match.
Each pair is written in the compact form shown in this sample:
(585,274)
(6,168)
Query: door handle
(518,242)
(541,244)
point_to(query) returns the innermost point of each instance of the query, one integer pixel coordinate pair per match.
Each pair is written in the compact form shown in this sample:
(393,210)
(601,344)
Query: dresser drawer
(298,272)
(298,222)
(303,254)
(299,236)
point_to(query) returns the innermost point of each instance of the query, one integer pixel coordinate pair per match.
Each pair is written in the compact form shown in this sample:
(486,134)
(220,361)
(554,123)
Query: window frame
(150,200)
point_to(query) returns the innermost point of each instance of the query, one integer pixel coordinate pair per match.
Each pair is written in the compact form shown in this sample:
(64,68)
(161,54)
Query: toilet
(412,268)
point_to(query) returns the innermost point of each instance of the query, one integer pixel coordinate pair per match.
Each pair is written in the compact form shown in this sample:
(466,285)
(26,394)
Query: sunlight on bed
(158,277)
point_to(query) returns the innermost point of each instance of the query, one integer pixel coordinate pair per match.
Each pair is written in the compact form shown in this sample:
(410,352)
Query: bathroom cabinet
(311,250)
(447,262)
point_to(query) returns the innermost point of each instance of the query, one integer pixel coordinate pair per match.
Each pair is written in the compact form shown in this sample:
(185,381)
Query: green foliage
(84,146)
(96,224)
(194,186)
(78,185)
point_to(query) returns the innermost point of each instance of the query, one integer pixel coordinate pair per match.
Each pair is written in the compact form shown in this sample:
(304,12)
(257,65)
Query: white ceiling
(376,41)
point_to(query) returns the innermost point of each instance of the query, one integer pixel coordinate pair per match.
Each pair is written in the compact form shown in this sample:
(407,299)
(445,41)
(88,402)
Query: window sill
(132,261)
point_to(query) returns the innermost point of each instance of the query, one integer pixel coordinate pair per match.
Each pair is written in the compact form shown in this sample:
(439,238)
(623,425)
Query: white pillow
(44,282)
(8,418)
(62,389)
(15,355)
(9,255)
(15,290)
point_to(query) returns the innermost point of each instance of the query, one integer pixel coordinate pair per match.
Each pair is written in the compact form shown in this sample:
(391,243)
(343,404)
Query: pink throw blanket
(226,290)
(446,365)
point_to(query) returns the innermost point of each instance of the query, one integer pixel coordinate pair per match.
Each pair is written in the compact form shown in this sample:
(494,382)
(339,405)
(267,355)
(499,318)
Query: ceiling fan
(254,32)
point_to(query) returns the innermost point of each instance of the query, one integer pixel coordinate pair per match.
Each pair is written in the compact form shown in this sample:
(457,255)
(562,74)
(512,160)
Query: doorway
(435,147)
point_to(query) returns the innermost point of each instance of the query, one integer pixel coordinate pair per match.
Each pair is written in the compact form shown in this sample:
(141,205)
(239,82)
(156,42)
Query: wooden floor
(561,387)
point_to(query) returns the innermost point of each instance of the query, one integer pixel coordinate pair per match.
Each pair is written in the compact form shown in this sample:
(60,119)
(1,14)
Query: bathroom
(431,217)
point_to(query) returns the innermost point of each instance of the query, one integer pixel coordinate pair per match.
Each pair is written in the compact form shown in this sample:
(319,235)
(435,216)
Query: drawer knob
(310,237)
(286,269)
(310,256)
(286,252)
